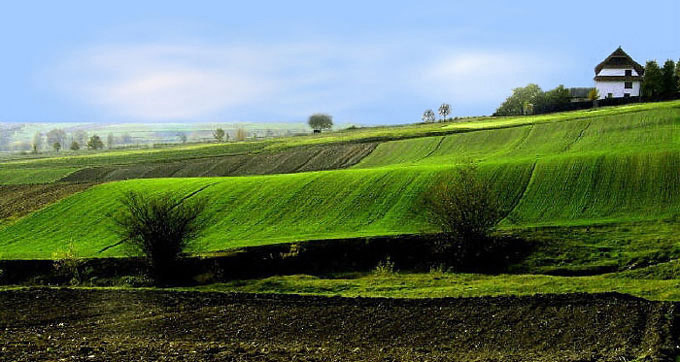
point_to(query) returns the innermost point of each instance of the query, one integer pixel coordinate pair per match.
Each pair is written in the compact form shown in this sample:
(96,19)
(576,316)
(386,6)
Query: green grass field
(605,166)
(440,285)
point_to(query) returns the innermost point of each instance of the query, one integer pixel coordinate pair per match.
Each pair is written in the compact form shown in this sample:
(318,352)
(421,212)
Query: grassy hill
(608,165)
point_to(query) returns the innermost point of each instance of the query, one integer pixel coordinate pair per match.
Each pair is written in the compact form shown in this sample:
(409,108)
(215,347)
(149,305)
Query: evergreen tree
(677,75)
(652,83)
(670,81)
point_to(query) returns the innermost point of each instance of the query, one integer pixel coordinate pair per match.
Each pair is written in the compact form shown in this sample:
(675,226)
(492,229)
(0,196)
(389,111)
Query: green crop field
(610,165)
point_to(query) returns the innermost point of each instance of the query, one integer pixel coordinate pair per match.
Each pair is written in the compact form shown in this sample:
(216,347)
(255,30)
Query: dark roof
(617,78)
(579,92)
(619,59)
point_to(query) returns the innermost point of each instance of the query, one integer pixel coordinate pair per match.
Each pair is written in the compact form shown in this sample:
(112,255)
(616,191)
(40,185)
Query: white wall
(616,88)
(616,72)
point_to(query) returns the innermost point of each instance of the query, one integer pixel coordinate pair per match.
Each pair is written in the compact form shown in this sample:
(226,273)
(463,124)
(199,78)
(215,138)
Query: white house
(618,76)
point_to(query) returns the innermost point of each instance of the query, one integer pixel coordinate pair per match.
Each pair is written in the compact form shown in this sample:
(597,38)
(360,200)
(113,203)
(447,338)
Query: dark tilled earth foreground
(115,325)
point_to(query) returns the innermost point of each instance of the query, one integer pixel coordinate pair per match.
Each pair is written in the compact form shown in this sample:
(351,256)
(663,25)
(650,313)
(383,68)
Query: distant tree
(95,143)
(514,105)
(75,146)
(81,137)
(669,79)
(429,116)
(160,227)
(37,143)
(56,136)
(551,101)
(320,121)
(241,134)
(182,137)
(56,146)
(110,141)
(593,95)
(218,134)
(444,111)
(126,139)
(652,83)
(677,74)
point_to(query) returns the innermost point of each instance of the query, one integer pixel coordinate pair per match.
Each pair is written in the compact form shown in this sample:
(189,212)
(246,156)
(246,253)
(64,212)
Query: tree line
(659,83)
(58,139)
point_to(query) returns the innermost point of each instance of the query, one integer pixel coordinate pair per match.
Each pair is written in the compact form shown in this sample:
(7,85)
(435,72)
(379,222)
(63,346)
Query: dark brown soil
(19,200)
(297,159)
(114,325)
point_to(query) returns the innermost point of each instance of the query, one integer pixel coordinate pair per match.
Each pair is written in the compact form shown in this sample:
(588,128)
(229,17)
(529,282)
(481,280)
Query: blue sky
(367,62)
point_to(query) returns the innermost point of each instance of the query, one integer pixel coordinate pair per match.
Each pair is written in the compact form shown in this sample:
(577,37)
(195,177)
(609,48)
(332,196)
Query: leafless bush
(160,227)
(467,210)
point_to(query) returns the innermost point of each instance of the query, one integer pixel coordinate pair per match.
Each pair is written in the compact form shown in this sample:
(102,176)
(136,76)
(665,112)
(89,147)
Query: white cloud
(483,76)
(286,81)
(165,82)
(162,82)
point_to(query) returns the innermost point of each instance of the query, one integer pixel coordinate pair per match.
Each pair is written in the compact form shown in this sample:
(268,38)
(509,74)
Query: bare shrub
(69,265)
(384,268)
(160,227)
(466,209)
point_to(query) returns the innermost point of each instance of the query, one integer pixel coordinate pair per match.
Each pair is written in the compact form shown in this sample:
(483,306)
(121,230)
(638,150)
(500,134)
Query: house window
(628,85)
(610,95)
(629,73)
(626,95)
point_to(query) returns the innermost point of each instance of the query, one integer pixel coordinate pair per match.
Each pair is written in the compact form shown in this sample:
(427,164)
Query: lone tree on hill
(218,134)
(444,111)
(56,146)
(428,116)
(160,227)
(95,143)
(320,121)
(75,146)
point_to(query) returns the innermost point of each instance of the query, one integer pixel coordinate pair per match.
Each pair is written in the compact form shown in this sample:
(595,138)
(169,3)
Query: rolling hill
(609,165)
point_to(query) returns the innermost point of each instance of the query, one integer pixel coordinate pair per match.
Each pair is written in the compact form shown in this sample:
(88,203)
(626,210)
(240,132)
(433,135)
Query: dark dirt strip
(297,159)
(19,200)
(115,325)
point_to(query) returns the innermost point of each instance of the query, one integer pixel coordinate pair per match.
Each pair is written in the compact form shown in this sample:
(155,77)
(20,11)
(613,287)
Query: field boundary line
(524,192)
(578,138)
(435,149)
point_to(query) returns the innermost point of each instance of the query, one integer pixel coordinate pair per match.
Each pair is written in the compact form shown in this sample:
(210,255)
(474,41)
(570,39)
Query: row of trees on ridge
(657,84)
